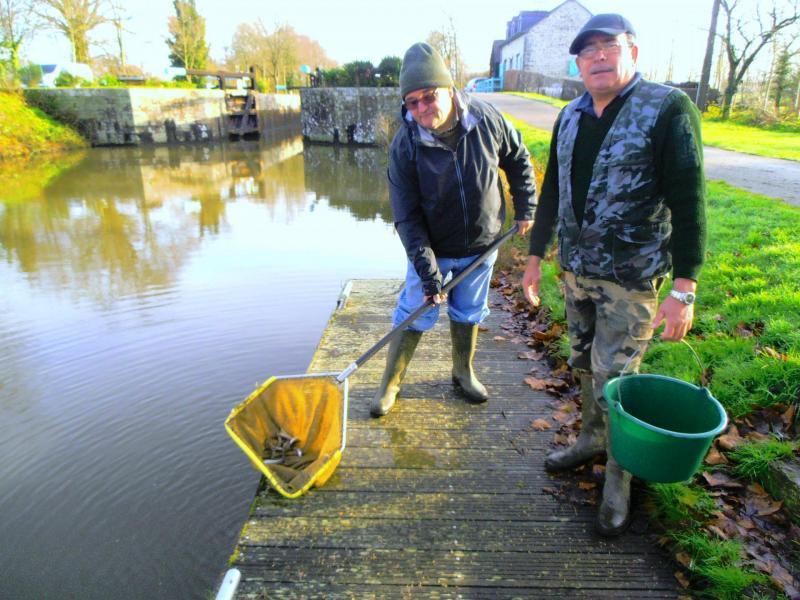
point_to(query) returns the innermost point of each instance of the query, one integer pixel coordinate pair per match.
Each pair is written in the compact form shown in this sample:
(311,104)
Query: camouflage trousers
(608,323)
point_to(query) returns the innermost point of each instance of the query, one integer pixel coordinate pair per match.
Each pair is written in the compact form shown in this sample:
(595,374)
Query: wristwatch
(685,297)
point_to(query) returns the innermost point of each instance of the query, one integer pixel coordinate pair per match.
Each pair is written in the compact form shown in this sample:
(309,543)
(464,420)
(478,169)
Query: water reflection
(102,226)
(353,177)
(145,291)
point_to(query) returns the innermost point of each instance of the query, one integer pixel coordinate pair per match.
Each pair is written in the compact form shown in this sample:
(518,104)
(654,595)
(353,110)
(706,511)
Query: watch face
(689,298)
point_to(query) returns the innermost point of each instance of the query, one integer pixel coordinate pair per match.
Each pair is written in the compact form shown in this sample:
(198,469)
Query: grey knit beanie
(423,67)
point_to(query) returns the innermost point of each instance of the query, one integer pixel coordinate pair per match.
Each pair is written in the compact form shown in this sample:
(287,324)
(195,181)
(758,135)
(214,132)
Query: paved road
(769,176)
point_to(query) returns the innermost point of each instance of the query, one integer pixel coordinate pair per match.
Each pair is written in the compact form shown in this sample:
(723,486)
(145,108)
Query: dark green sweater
(680,179)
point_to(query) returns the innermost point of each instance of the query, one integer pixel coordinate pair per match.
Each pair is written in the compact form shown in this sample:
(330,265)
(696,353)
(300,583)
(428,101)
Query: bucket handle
(632,356)
(687,344)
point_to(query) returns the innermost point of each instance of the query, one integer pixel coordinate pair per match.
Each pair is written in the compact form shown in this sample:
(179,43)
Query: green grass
(25,131)
(747,321)
(541,98)
(752,140)
(680,503)
(773,142)
(753,459)
(536,140)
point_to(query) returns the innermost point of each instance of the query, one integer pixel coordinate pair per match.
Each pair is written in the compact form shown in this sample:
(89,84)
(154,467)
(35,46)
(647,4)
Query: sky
(372,29)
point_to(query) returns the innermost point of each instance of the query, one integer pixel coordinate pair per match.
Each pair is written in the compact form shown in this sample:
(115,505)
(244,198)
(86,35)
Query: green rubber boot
(401,349)
(614,515)
(592,437)
(465,340)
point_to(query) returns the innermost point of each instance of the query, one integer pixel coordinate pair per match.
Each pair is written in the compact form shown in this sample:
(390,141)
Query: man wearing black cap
(625,187)
(448,207)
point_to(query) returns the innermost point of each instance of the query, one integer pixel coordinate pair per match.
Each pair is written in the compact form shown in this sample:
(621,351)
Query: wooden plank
(254,588)
(411,566)
(432,534)
(440,498)
(455,504)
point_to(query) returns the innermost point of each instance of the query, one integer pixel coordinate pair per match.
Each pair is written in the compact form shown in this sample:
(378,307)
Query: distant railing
(494,84)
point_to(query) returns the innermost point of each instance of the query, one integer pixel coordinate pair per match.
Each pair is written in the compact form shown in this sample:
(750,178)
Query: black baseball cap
(608,23)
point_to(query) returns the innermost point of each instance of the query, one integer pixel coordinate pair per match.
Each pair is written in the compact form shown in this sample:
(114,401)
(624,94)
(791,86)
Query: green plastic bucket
(661,428)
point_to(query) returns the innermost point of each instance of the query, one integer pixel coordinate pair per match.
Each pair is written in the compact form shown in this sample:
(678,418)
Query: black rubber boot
(614,515)
(592,437)
(401,349)
(465,340)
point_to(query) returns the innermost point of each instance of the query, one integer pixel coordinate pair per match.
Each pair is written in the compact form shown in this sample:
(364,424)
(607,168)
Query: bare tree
(277,55)
(17,21)
(75,19)
(187,45)
(446,43)
(281,46)
(746,35)
(117,19)
(702,89)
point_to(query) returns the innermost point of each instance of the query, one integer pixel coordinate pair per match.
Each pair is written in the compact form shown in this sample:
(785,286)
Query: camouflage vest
(626,225)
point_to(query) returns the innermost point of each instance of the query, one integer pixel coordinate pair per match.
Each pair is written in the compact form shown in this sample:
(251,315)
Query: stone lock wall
(278,112)
(142,116)
(136,115)
(367,116)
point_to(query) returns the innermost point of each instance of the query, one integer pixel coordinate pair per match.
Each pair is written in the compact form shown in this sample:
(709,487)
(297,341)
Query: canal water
(143,294)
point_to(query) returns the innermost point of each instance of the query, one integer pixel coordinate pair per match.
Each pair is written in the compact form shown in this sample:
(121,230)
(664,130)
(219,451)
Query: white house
(538,41)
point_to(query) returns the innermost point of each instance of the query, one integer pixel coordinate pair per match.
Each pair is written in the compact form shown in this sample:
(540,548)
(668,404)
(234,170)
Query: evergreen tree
(187,45)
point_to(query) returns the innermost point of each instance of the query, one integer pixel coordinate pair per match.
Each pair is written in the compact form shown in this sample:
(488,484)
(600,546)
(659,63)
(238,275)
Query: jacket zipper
(463,201)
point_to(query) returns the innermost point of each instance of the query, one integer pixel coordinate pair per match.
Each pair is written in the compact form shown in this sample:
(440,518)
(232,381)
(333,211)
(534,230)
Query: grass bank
(27,131)
(752,140)
(779,141)
(747,334)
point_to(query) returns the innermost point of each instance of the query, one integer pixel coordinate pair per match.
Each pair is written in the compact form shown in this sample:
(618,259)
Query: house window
(519,61)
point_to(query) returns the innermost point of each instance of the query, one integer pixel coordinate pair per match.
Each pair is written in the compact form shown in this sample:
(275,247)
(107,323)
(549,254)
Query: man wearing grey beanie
(449,207)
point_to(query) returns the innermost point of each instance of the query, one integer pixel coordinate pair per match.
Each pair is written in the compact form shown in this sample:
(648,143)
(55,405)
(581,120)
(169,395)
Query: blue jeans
(466,303)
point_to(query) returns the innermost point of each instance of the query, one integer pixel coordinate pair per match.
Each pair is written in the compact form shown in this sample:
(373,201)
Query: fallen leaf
(543,384)
(731,439)
(560,438)
(483,328)
(785,580)
(499,338)
(682,579)
(565,418)
(718,531)
(788,416)
(535,383)
(715,457)
(762,507)
(587,485)
(684,559)
(757,437)
(757,489)
(772,353)
(541,425)
(720,480)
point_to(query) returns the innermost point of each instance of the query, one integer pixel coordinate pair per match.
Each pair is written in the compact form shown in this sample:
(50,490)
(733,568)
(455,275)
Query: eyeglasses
(608,48)
(427,99)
